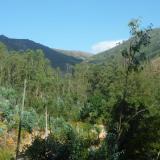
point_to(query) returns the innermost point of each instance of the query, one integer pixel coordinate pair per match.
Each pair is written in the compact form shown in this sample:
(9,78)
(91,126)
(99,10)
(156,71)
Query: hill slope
(77,54)
(151,51)
(57,58)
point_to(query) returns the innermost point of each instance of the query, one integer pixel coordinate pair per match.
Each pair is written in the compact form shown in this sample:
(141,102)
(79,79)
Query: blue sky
(87,25)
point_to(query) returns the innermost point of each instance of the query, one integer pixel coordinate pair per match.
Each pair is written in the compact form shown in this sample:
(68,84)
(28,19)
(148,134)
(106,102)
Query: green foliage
(121,94)
(10,111)
(130,101)
(29,120)
(93,109)
(45,149)
(60,145)
(57,57)
(151,51)
(62,131)
(8,107)
(5,154)
(128,134)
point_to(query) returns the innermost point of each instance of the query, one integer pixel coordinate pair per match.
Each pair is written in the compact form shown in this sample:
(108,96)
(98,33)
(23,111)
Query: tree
(20,120)
(126,115)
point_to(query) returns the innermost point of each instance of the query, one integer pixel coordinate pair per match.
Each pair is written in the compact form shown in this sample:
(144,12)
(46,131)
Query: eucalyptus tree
(126,114)
(21,119)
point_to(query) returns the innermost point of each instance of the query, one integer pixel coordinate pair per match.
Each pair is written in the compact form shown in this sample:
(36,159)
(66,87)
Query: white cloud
(104,45)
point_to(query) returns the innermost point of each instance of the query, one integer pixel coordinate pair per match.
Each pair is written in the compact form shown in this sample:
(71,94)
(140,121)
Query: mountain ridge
(75,53)
(56,57)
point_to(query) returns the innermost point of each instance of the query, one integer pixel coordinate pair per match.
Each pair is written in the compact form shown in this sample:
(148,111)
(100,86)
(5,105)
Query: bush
(48,149)
(62,144)
(57,146)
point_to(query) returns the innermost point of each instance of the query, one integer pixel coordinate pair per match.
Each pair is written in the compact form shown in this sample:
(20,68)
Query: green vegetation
(5,154)
(153,50)
(77,54)
(56,57)
(103,111)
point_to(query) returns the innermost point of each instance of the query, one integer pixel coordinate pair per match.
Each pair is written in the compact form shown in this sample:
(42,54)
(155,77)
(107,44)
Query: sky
(86,25)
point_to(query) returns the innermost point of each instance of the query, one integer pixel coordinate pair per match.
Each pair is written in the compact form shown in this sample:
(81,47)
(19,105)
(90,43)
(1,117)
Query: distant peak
(3,37)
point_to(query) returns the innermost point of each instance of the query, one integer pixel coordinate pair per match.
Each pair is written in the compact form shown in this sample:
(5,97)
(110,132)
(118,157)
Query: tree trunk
(49,119)
(20,121)
(46,119)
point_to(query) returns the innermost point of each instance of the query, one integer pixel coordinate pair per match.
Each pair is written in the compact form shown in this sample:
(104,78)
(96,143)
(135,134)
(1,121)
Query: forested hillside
(77,54)
(56,57)
(100,111)
(151,51)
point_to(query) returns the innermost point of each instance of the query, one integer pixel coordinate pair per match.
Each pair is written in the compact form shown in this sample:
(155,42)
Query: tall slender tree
(21,119)
(123,111)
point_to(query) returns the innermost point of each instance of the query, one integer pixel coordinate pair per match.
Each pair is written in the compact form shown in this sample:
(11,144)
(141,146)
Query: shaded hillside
(151,51)
(57,58)
(76,54)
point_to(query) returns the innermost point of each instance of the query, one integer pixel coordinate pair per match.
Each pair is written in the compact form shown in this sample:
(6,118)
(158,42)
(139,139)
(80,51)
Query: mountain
(57,57)
(151,51)
(77,54)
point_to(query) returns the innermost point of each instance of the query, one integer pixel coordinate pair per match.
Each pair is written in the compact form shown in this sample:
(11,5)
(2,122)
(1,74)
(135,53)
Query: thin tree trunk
(49,118)
(46,119)
(1,76)
(20,120)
